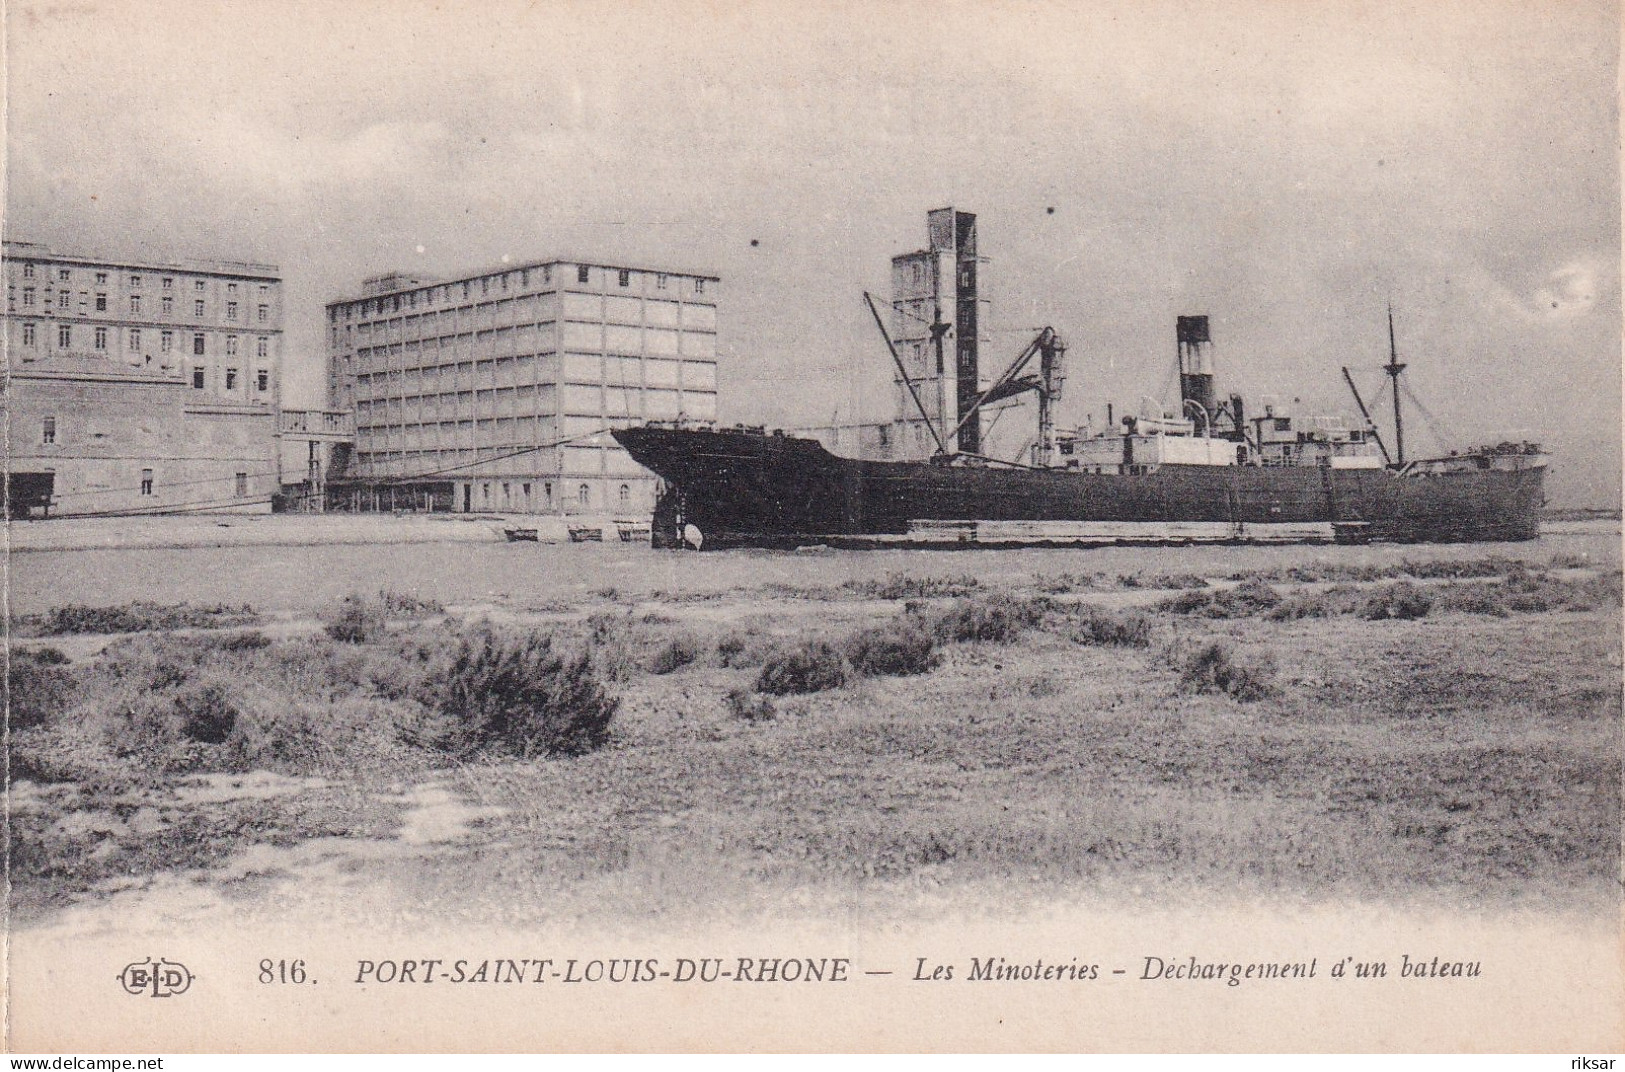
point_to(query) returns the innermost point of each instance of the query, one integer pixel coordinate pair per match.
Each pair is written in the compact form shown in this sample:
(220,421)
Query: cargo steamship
(1209,462)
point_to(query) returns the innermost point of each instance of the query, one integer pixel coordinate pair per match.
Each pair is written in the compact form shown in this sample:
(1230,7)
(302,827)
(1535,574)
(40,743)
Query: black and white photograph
(557,526)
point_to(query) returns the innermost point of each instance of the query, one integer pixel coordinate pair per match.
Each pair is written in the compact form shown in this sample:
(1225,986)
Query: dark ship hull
(741,487)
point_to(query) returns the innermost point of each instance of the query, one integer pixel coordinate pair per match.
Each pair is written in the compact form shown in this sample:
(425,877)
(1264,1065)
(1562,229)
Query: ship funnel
(1195,362)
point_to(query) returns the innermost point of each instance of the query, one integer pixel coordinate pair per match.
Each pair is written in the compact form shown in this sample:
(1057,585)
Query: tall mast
(1394,368)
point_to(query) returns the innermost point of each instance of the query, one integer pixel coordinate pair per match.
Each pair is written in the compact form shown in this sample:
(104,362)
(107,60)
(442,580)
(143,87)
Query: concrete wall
(106,432)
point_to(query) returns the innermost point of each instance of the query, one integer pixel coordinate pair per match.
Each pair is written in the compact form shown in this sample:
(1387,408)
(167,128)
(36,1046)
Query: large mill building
(494,392)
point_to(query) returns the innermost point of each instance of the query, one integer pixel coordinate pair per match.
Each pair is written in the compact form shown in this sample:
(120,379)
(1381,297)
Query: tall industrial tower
(939,321)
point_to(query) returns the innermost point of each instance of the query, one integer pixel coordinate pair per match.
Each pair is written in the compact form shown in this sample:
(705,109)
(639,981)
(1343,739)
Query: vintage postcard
(768,526)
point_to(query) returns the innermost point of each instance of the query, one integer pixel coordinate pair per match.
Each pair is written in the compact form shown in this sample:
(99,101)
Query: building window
(584,495)
(262,346)
(64,336)
(168,282)
(135,340)
(265,288)
(699,286)
(231,379)
(63,275)
(197,378)
(28,295)
(231,310)
(135,304)
(198,347)
(626,494)
(146,481)
(466,286)
(166,341)
(660,281)
(101,277)
(262,380)
(197,307)
(135,281)
(28,334)
(169,305)
(62,297)
(101,338)
(242,485)
(583,274)
(197,285)
(48,430)
(625,278)
(101,301)
(231,288)
(265,311)
(28,271)
(231,344)
(547,273)
(547,492)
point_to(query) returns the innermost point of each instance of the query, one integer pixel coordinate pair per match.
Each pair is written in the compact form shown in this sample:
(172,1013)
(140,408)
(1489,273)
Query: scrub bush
(517,695)
(810,667)
(1094,625)
(677,653)
(898,649)
(1000,618)
(355,620)
(749,705)
(1404,601)
(1213,668)
(39,687)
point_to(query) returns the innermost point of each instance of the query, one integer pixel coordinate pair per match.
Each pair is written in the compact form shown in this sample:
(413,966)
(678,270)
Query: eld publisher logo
(159,979)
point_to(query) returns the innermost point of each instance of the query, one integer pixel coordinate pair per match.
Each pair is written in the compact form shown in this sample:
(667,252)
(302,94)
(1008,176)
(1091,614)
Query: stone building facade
(141,387)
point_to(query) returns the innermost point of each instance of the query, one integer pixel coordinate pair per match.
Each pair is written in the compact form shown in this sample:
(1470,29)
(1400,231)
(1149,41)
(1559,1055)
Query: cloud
(1571,291)
(1568,292)
(238,150)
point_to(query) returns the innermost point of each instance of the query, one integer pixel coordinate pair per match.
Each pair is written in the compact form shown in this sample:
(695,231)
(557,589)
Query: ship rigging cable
(1446,439)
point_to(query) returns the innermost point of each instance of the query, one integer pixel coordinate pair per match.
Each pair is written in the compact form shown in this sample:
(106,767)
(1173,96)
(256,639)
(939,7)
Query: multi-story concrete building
(494,392)
(138,386)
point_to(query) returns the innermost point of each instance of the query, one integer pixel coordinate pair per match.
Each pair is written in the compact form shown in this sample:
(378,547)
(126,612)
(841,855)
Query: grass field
(748,730)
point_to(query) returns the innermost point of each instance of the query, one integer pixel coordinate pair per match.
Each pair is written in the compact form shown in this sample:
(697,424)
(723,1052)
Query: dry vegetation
(1449,728)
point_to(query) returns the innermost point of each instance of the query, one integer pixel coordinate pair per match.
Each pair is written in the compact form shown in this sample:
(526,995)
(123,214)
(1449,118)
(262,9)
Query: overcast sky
(1285,168)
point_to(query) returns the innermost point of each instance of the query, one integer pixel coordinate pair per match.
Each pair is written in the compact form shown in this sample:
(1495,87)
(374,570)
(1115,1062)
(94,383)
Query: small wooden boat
(518,535)
(583,535)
